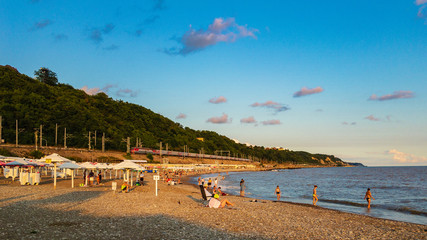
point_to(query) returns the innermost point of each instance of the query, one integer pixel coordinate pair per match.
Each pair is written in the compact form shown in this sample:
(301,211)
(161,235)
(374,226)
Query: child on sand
(315,199)
(368,197)
(278,193)
(242,187)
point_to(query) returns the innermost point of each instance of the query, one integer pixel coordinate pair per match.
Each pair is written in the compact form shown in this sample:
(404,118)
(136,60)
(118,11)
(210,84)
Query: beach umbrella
(72,166)
(127,165)
(54,158)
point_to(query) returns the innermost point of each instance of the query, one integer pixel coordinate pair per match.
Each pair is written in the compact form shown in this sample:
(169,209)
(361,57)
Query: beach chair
(205,194)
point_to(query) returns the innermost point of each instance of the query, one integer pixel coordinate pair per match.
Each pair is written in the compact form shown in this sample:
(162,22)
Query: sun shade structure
(55,158)
(72,166)
(128,165)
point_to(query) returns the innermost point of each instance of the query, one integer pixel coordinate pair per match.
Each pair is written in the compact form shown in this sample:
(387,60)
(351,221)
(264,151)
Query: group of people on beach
(90,178)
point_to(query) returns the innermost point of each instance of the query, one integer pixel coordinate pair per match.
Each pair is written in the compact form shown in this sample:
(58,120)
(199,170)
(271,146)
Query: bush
(150,157)
(6,153)
(36,154)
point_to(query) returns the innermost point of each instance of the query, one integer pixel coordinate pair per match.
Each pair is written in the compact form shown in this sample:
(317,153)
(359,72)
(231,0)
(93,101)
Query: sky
(346,78)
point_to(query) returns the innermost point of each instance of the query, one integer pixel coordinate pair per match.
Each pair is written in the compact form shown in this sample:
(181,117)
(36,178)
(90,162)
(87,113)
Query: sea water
(400,192)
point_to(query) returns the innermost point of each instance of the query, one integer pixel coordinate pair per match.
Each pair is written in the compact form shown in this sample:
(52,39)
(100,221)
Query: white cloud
(402,157)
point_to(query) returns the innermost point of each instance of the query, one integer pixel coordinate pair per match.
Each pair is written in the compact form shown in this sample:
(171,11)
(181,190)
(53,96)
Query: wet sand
(178,212)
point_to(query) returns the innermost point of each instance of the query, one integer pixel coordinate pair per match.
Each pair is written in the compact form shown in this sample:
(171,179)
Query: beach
(178,212)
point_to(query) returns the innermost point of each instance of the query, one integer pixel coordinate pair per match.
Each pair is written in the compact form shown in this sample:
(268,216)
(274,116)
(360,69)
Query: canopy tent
(72,166)
(54,158)
(2,163)
(128,165)
(21,163)
(88,165)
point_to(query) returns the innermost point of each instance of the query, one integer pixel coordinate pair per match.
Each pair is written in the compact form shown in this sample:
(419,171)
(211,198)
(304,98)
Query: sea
(400,192)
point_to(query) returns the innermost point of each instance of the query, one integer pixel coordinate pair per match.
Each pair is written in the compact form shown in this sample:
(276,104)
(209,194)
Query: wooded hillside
(34,103)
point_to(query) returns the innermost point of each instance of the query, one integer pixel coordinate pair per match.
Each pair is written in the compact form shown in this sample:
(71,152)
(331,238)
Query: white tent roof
(54,157)
(127,164)
(69,165)
(88,165)
(102,166)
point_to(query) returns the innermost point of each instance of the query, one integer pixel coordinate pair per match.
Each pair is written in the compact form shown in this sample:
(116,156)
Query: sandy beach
(178,212)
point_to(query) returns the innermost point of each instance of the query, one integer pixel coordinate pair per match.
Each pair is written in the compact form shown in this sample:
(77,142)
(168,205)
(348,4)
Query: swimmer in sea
(368,197)
(278,193)
(315,199)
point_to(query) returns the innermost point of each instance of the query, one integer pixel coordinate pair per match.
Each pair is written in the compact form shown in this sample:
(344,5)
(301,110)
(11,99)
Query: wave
(397,209)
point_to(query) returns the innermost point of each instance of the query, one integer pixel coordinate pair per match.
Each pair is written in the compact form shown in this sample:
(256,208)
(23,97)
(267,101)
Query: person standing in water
(368,197)
(315,199)
(278,193)
(242,188)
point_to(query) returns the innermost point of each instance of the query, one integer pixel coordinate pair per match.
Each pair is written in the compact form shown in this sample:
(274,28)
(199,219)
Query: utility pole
(56,134)
(89,140)
(103,142)
(36,135)
(16,144)
(41,136)
(160,149)
(167,148)
(65,138)
(1,139)
(128,146)
(94,146)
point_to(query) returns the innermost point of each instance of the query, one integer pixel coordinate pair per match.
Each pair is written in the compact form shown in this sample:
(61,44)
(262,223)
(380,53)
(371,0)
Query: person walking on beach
(278,193)
(242,188)
(368,197)
(315,199)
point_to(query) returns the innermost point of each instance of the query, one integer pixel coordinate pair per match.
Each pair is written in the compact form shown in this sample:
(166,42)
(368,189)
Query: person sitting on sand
(125,187)
(216,203)
(220,192)
(368,197)
(315,199)
(278,193)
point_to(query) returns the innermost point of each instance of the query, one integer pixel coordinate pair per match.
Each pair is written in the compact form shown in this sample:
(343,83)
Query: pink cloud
(248,120)
(405,157)
(271,122)
(372,118)
(306,91)
(217,100)
(395,95)
(218,120)
(181,116)
(127,93)
(347,123)
(278,107)
(91,91)
(221,30)
(420,2)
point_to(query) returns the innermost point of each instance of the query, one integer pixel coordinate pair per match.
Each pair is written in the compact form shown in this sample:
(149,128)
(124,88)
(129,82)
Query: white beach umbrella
(127,165)
(54,158)
(72,166)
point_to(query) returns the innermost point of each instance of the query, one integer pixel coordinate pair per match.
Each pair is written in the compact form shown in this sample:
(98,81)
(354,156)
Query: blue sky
(347,78)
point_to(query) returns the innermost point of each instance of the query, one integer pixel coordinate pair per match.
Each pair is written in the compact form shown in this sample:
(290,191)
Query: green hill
(34,103)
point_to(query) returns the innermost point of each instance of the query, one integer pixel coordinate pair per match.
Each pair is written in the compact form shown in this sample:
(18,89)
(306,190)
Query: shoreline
(186,180)
(176,213)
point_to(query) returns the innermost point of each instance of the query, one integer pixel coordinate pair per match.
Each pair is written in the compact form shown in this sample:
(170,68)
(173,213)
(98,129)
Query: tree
(45,75)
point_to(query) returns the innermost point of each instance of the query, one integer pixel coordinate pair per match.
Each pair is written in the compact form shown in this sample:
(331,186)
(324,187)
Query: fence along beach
(176,213)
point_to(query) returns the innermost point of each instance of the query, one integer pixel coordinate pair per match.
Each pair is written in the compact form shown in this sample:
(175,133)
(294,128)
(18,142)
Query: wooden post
(16,144)
(56,134)
(94,146)
(160,149)
(128,145)
(89,141)
(103,142)
(41,136)
(65,138)
(35,135)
